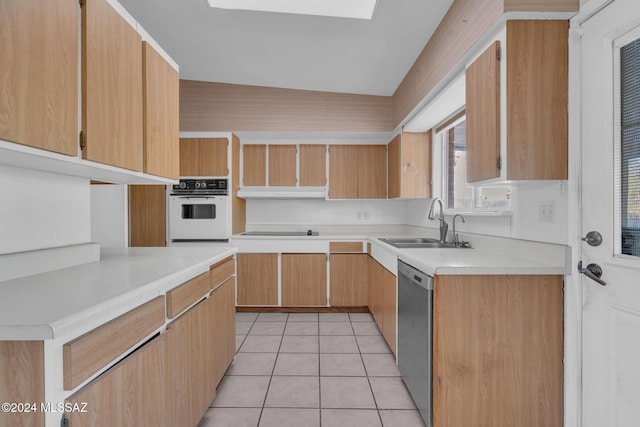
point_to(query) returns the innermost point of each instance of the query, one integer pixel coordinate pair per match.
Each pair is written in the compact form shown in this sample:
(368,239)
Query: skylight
(358,9)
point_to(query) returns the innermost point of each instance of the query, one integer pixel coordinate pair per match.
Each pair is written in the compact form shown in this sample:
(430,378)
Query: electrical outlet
(359,215)
(547,211)
(365,215)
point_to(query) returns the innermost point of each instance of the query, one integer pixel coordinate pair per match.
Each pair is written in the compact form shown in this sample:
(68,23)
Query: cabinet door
(223,328)
(282,165)
(313,165)
(238,205)
(161,117)
(111,87)
(304,280)
(389,307)
(191,366)
(507,334)
(394,168)
(132,393)
(213,157)
(254,169)
(537,97)
(343,172)
(39,74)
(189,157)
(257,279)
(372,172)
(376,298)
(147,215)
(348,285)
(483,115)
(415,165)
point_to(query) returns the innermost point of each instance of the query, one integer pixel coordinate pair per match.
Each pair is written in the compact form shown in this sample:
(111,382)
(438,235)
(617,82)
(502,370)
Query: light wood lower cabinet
(304,280)
(132,393)
(348,284)
(223,329)
(498,351)
(147,215)
(257,279)
(382,300)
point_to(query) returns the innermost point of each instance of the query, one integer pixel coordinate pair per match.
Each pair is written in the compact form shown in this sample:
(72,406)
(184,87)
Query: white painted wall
(325,212)
(41,210)
(109,222)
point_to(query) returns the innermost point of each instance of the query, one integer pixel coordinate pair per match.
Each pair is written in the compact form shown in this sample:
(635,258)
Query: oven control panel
(205,186)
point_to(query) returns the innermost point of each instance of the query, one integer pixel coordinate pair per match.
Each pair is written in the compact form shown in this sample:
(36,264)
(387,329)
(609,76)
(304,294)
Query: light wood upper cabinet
(204,156)
(409,166)
(498,351)
(39,74)
(313,165)
(483,115)
(304,280)
(161,115)
(282,165)
(254,169)
(111,87)
(537,99)
(238,205)
(357,172)
(535,76)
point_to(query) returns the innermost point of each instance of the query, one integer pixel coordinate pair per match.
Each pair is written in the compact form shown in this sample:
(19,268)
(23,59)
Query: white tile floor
(311,370)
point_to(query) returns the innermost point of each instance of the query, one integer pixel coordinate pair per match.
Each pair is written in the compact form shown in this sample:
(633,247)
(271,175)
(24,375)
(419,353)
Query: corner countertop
(489,254)
(62,302)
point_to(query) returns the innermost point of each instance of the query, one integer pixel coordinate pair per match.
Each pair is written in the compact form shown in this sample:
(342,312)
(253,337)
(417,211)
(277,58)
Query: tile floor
(311,370)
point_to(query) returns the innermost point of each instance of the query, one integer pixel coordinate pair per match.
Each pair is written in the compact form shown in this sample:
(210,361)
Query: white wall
(41,210)
(109,222)
(325,212)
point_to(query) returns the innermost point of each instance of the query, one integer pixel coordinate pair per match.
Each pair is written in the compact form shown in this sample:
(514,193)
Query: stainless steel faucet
(456,241)
(444,227)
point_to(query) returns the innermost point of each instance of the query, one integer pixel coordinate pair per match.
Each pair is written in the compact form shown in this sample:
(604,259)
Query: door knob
(593,272)
(593,238)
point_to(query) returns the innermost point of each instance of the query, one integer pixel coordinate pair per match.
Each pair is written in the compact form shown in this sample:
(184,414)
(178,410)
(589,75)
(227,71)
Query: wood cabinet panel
(223,328)
(483,115)
(415,165)
(87,354)
(204,157)
(221,271)
(372,171)
(213,157)
(161,115)
(238,205)
(178,299)
(111,87)
(343,172)
(22,380)
(282,165)
(304,280)
(257,279)
(498,350)
(132,393)
(348,284)
(389,307)
(537,98)
(394,168)
(313,165)
(337,247)
(254,167)
(147,215)
(39,74)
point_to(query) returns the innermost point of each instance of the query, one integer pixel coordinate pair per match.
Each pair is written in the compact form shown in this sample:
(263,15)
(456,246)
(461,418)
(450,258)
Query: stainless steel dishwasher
(415,336)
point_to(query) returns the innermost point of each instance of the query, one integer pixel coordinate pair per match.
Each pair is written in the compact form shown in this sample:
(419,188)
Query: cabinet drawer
(219,272)
(178,299)
(89,353)
(337,247)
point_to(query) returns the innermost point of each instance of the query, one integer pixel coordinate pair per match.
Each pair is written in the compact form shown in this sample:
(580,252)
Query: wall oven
(199,210)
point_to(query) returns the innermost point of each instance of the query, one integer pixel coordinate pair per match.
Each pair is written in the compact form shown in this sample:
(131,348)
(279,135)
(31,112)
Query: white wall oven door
(198,218)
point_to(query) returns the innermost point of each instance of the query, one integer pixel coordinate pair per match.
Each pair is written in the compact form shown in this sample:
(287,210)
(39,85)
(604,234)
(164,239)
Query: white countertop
(488,255)
(56,303)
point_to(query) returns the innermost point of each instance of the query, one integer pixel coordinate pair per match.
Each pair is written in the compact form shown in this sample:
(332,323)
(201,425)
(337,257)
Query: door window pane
(459,196)
(630,148)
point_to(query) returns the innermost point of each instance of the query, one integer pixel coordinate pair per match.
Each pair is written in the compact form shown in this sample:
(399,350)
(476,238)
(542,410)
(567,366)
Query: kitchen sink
(420,243)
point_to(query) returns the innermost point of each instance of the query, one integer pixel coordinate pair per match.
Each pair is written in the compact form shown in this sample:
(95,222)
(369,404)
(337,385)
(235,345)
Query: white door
(611,206)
